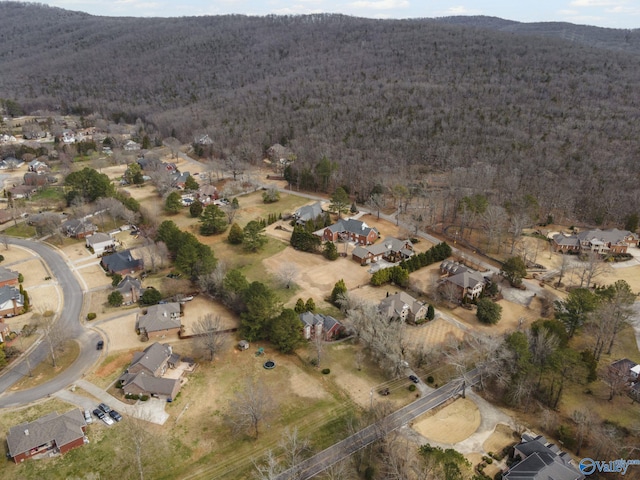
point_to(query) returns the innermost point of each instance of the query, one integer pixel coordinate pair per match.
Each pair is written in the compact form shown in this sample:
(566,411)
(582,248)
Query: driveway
(150,411)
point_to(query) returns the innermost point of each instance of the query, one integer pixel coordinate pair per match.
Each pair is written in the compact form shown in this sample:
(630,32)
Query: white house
(100,243)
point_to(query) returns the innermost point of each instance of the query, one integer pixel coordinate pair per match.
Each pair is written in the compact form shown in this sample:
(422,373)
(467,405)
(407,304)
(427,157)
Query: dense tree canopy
(88,184)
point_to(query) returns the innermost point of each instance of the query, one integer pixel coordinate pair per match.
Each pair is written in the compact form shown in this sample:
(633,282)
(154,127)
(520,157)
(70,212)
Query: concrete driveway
(150,411)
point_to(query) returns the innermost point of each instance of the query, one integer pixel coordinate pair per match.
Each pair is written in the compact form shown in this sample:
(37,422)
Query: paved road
(69,320)
(343,449)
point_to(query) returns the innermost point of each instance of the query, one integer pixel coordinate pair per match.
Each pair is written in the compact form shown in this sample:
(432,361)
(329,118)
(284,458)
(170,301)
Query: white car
(87,417)
(108,420)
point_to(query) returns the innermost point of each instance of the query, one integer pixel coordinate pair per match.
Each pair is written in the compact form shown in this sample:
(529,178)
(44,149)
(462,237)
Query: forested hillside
(499,113)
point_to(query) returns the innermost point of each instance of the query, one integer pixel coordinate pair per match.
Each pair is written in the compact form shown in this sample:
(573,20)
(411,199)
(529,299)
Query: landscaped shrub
(144,398)
(91,316)
(20,278)
(412,388)
(326,371)
(429,379)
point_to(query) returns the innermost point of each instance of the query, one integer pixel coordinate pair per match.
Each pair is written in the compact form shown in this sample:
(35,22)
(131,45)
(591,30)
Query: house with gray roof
(391,249)
(100,243)
(599,241)
(307,213)
(315,324)
(78,228)
(49,435)
(11,301)
(469,283)
(402,306)
(541,460)
(8,277)
(121,262)
(160,320)
(145,374)
(351,230)
(130,288)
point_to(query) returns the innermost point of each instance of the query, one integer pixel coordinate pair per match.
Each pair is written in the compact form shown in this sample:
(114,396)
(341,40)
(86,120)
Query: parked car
(108,420)
(115,415)
(87,417)
(414,379)
(100,345)
(104,407)
(98,413)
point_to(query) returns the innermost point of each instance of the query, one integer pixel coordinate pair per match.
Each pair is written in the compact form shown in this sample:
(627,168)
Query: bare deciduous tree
(286,273)
(54,336)
(251,405)
(592,266)
(209,338)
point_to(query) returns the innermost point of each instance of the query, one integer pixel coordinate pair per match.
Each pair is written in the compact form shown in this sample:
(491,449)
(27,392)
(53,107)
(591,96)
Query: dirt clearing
(451,424)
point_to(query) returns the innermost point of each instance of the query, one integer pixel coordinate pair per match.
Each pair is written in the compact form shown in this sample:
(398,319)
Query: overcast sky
(603,13)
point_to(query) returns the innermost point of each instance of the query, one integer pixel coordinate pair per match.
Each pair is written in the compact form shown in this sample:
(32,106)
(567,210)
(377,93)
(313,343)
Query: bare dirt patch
(451,424)
(317,275)
(201,306)
(304,385)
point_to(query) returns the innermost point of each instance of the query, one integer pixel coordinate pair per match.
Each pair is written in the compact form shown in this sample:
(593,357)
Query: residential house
(599,241)
(11,163)
(11,301)
(204,140)
(351,230)
(178,180)
(207,194)
(78,228)
(5,138)
(22,191)
(391,249)
(315,324)
(145,374)
(469,283)
(5,215)
(38,179)
(131,289)
(131,146)
(100,243)
(626,368)
(160,320)
(402,306)
(307,213)
(51,434)
(38,167)
(121,262)
(68,136)
(541,460)
(8,277)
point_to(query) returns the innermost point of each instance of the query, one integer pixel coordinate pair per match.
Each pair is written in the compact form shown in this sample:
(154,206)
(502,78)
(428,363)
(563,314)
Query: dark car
(414,379)
(100,345)
(115,415)
(98,413)
(104,407)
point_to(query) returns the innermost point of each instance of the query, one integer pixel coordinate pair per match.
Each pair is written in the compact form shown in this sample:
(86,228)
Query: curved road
(69,320)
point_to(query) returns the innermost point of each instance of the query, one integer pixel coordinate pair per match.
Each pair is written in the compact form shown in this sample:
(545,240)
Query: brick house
(11,301)
(403,306)
(391,249)
(599,241)
(52,433)
(78,228)
(121,262)
(314,324)
(145,374)
(469,283)
(8,277)
(350,230)
(160,320)
(130,288)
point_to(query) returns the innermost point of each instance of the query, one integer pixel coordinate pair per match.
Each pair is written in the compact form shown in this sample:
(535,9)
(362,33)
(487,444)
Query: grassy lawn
(110,369)
(54,194)
(45,371)
(21,230)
